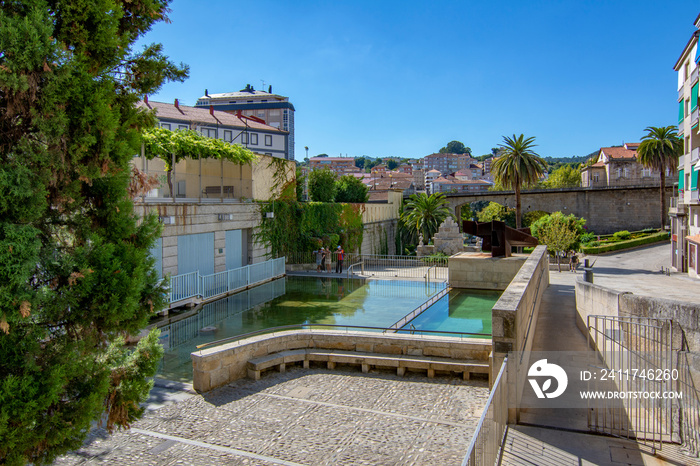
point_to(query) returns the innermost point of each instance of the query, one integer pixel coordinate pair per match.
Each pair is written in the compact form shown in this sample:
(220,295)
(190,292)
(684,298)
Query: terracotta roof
(619,153)
(199,115)
(333,159)
(694,238)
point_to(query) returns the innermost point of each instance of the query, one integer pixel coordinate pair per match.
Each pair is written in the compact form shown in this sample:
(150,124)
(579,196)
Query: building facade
(338,165)
(274,109)
(618,166)
(684,211)
(446,163)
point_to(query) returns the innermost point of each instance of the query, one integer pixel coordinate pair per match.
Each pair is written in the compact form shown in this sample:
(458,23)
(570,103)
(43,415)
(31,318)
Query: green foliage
(75,268)
(455,147)
(496,211)
(565,176)
(392,164)
(517,166)
(423,215)
(163,144)
(587,237)
(558,231)
(351,189)
(303,227)
(322,187)
(620,245)
(660,150)
(622,235)
(531,217)
(300,183)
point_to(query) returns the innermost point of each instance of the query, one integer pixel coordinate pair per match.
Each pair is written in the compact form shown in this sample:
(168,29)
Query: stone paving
(311,417)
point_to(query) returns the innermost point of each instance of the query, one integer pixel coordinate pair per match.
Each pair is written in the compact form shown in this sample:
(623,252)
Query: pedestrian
(319,256)
(329,259)
(573,262)
(339,263)
(323,259)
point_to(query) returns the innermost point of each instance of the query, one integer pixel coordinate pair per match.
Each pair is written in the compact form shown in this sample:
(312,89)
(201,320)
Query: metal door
(157,253)
(195,253)
(234,249)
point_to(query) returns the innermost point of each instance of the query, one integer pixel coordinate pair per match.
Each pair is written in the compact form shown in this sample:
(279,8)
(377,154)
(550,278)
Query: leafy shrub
(597,248)
(587,238)
(623,235)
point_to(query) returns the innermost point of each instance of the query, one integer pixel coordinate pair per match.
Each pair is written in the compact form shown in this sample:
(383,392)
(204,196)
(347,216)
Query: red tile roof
(620,153)
(202,116)
(694,238)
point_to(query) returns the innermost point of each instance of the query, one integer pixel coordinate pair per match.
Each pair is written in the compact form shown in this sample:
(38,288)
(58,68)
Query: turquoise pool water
(465,311)
(288,301)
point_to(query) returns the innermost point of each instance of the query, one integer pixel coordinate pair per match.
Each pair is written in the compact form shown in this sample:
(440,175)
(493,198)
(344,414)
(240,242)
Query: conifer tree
(75,272)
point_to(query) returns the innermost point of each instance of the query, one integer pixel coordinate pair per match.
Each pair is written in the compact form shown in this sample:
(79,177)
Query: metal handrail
(470,458)
(427,275)
(353,265)
(322,326)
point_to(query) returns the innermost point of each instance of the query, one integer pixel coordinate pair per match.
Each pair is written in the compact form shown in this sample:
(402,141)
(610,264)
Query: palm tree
(659,150)
(518,165)
(424,214)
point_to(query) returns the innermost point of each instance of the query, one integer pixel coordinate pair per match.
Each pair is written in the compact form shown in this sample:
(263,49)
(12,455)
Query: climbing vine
(280,179)
(297,227)
(164,144)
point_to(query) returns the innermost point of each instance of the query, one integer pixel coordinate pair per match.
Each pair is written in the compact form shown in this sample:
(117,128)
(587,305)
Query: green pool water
(288,301)
(464,311)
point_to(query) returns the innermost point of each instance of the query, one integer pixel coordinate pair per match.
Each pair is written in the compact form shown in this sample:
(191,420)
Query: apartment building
(447,163)
(685,208)
(275,110)
(339,165)
(206,205)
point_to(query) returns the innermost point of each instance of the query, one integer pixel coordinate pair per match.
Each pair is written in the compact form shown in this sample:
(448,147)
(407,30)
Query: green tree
(496,211)
(659,150)
(518,165)
(360,162)
(75,270)
(391,164)
(559,232)
(300,181)
(424,214)
(565,176)
(322,186)
(455,147)
(351,189)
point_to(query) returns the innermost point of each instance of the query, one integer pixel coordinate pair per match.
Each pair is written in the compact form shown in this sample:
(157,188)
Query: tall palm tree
(424,214)
(518,165)
(659,150)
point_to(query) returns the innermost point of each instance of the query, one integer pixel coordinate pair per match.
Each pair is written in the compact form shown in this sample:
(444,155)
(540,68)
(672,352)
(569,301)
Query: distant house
(618,166)
(338,165)
(451,184)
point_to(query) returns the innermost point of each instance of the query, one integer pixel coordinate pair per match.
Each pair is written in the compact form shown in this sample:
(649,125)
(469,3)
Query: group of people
(324,259)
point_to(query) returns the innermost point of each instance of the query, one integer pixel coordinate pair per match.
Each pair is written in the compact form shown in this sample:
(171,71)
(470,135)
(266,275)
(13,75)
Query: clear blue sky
(403,78)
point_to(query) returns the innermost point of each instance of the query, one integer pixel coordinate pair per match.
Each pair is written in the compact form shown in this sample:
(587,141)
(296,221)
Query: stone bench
(366,361)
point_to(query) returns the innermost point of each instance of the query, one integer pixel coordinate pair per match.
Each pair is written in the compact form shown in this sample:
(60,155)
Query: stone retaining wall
(483,272)
(217,366)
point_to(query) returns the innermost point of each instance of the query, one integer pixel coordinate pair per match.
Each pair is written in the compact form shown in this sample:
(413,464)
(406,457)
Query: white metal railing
(193,284)
(420,309)
(487,441)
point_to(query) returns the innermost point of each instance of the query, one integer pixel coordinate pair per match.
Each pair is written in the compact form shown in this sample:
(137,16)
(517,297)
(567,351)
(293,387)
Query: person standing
(323,258)
(339,262)
(329,259)
(319,257)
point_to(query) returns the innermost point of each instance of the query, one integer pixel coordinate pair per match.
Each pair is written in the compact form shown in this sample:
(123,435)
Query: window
(208,132)
(687,107)
(254,138)
(261,113)
(268,140)
(228,135)
(646,172)
(596,177)
(244,138)
(183,127)
(165,125)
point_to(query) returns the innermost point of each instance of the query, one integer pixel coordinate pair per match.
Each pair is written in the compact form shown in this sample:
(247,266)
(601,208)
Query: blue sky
(392,78)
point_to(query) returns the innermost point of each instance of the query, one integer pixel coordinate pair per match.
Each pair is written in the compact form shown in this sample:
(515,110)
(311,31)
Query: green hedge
(655,238)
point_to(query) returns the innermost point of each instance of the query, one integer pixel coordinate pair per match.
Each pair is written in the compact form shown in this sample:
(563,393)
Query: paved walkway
(310,417)
(543,441)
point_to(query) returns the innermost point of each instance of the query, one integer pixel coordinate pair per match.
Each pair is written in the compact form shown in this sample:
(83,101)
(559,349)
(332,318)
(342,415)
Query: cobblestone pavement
(310,417)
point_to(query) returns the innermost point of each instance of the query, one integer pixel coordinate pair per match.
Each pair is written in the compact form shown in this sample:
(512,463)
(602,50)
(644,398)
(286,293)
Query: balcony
(694,117)
(681,92)
(692,197)
(681,125)
(694,76)
(694,155)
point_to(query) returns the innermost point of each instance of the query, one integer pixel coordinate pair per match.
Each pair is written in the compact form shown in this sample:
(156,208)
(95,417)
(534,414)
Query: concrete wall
(514,320)
(203,218)
(264,169)
(592,299)
(223,364)
(481,271)
(606,210)
(379,237)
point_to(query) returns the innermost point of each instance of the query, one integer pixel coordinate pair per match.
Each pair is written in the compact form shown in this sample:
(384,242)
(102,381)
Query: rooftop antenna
(263,84)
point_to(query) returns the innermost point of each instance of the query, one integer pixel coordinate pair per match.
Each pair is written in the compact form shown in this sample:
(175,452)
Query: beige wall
(263,174)
(481,271)
(223,364)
